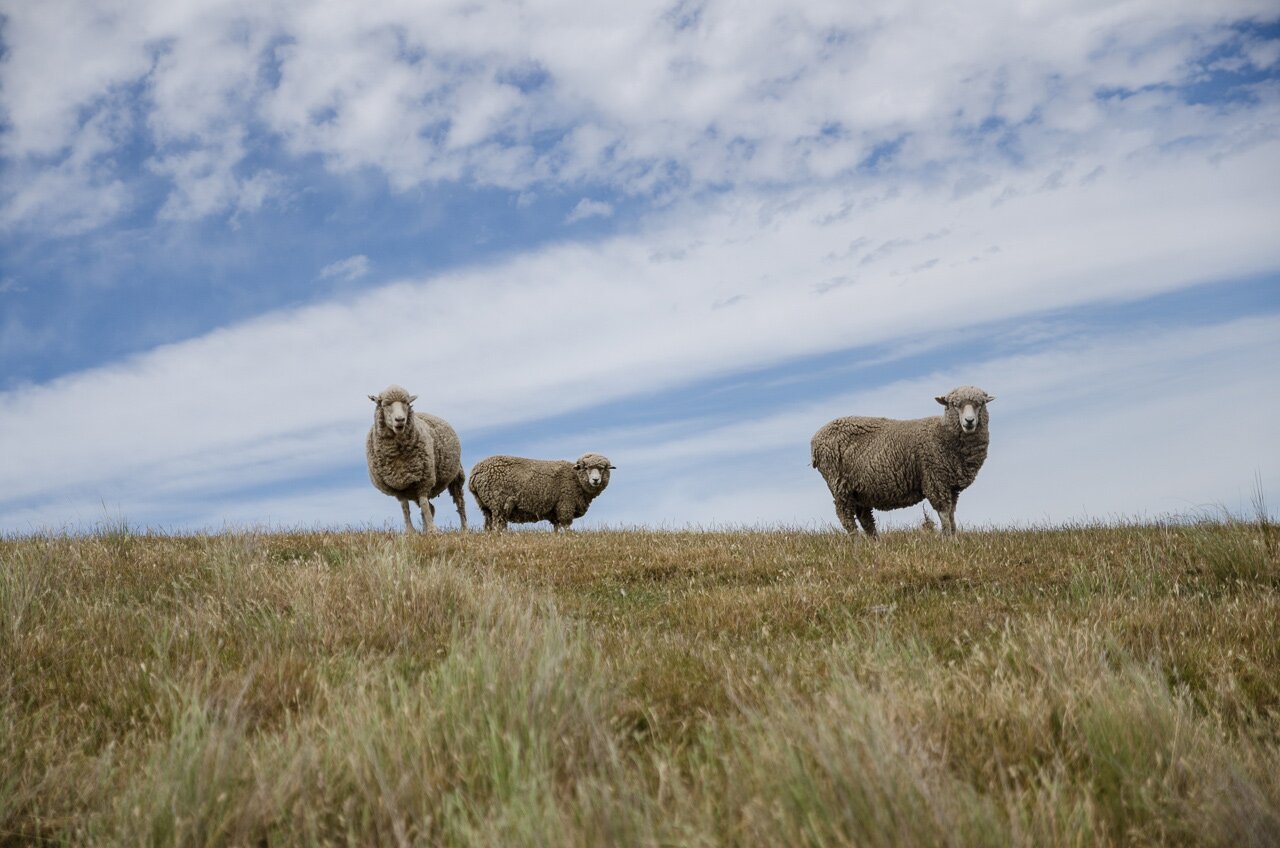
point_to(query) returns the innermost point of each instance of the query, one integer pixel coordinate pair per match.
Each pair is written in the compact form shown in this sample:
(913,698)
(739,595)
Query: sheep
(414,456)
(512,488)
(884,463)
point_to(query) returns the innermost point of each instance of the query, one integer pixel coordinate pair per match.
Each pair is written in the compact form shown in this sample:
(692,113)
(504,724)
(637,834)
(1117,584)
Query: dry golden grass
(1089,685)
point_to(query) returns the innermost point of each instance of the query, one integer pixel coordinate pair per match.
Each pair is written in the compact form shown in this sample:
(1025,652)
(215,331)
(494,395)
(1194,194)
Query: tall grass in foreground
(1073,686)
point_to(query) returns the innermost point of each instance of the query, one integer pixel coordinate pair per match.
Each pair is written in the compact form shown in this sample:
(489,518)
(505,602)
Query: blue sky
(684,235)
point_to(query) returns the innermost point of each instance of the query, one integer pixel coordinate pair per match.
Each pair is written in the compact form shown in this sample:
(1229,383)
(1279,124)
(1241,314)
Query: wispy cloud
(346,270)
(588,208)
(81,191)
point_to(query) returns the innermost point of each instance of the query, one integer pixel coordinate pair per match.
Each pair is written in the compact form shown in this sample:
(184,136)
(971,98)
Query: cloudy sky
(682,234)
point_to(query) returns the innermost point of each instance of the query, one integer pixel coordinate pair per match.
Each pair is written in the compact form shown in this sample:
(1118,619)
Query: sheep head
(394,408)
(593,472)
(966,408)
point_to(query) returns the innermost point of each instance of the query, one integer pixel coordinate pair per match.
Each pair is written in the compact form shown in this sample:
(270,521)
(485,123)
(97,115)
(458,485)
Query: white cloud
(1262,54)
(346,270)
(588,208)
(624,94)
(79,193)
(60,60)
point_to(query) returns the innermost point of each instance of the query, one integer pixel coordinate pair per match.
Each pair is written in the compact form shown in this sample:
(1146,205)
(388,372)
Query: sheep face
(966,408)
(395,408)
(593,472)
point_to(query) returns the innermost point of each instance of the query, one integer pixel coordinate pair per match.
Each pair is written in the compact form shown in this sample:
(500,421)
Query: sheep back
(877,462)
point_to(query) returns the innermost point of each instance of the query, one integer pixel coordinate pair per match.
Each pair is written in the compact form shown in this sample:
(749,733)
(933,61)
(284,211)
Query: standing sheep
(414,456)
(884,463)
(512,488)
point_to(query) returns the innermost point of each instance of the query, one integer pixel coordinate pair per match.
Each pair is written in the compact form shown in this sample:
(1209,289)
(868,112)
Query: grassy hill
(1092,685)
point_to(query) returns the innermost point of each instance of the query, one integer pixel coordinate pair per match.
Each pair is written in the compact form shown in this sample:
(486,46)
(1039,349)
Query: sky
(683,234)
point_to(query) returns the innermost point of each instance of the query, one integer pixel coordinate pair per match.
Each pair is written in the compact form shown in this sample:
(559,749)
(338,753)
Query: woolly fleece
(512,488)
(417,463)
(886,463)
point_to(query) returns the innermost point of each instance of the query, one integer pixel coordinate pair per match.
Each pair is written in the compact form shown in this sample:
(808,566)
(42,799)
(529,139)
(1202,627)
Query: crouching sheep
(414,456)
(512,488)
(884,463)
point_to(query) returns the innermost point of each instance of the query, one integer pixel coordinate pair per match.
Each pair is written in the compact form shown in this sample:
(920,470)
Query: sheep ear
(577,466)
(373,398)
(942,400)
(412,398)
(613,468)
(990,398)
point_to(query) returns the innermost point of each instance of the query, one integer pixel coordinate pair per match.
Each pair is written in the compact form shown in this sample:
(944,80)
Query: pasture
(1086,685)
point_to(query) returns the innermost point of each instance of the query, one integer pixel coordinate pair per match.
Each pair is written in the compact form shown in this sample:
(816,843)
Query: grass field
(1078,686)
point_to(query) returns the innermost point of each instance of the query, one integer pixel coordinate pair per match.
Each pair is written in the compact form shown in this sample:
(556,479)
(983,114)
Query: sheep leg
(488,518)
(867,520)
(428,515)
(945,506)
(847,514)
(497,519)
(408,522)
(563,518)
(844,507)
(455,492)
(503,514)
(951,512)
